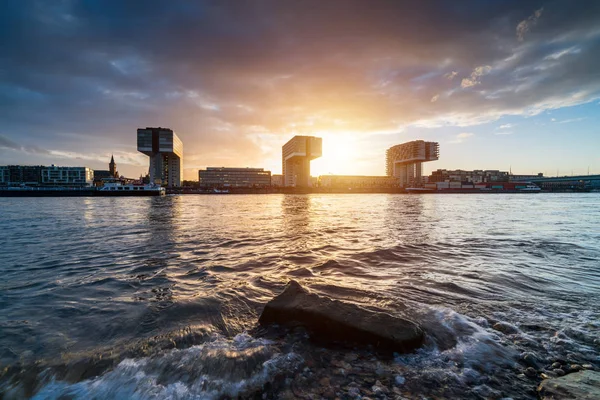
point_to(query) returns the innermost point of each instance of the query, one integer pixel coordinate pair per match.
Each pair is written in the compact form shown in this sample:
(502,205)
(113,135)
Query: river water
(139,298)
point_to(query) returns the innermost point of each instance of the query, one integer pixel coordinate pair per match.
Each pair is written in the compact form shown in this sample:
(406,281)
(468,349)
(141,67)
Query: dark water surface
(159,297)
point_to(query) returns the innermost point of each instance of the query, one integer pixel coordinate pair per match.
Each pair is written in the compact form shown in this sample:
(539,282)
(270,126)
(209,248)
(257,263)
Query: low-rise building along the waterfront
(67,176)
(276,180)
(21,175)
(346,182)
(475,176)
(110,173)
(38,175)
(296,156)
(217,177)
(165,150)
(514,178)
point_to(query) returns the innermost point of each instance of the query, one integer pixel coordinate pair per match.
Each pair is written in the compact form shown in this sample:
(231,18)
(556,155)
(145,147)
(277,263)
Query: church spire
(112,167)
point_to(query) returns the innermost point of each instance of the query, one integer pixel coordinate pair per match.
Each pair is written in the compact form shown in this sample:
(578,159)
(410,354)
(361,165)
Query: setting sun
(341,154)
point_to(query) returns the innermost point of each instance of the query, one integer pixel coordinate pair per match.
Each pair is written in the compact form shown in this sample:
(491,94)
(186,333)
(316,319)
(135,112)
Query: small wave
(237,367)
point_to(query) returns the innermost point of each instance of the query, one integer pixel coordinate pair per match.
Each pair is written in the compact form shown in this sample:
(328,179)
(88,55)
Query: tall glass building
(165,150)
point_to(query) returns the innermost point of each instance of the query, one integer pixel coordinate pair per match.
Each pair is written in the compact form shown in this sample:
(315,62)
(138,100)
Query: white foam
(179,375)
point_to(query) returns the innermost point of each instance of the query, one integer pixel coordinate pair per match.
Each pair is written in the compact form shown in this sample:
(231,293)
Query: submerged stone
(333,321)
(584,385)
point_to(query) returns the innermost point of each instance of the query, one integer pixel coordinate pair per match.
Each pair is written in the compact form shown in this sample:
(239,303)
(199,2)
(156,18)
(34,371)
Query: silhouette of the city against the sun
(403,166)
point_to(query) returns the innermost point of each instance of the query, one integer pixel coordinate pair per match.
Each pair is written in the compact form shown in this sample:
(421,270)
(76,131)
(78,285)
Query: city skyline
(508,86)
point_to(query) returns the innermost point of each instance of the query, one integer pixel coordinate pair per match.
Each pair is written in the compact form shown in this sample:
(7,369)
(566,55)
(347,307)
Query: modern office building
(218,177)
(404,161)
(38,175)
(165,150)
(349,182)
(30,175)
(67,176)
(296,156)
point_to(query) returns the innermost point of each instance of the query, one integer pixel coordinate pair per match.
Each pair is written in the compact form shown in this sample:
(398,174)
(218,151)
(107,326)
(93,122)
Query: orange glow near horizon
(341,152)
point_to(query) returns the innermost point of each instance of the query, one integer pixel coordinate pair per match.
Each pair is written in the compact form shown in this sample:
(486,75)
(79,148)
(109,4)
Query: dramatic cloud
(525,25)
(237,79)
(475,78)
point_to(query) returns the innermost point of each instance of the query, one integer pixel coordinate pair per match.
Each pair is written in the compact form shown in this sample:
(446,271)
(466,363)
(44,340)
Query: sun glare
(340,155)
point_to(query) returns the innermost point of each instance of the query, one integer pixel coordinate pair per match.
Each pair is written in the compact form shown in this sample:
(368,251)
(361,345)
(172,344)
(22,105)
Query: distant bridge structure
(565,182)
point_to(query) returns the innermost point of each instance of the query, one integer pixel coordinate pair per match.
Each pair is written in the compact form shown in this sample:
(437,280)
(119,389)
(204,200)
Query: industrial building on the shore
(165,151)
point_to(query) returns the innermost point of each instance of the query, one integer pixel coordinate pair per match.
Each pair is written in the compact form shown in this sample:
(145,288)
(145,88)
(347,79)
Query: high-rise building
(295,158)
(165,150)
(217,177)
(404,161)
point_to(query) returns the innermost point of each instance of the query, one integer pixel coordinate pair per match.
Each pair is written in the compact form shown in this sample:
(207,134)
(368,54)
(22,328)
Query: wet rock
(399,380)
(559,372)
(329,394)
(332,321)
(379,389)
(487,392)
(584,385)
(530,372)
(505,328)
(574,368)
(556,365)
(531,360)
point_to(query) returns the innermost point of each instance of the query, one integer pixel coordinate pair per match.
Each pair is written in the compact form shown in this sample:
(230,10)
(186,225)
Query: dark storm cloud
(220,72)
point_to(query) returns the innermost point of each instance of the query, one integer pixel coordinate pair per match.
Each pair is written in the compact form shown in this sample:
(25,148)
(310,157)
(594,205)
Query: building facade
(276,180)
(404,161)
(165,150)
(348,182)
(67,176)
(517,178)
(296,156)
(111,172)
(38,175)
(217,177)
(30,175)
(476,176)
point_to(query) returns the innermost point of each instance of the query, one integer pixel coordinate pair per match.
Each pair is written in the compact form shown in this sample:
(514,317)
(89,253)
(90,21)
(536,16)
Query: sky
(500,84)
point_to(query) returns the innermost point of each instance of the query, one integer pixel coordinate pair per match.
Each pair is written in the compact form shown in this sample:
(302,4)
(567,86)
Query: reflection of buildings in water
(162,213)
(296,211)
(410,217)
